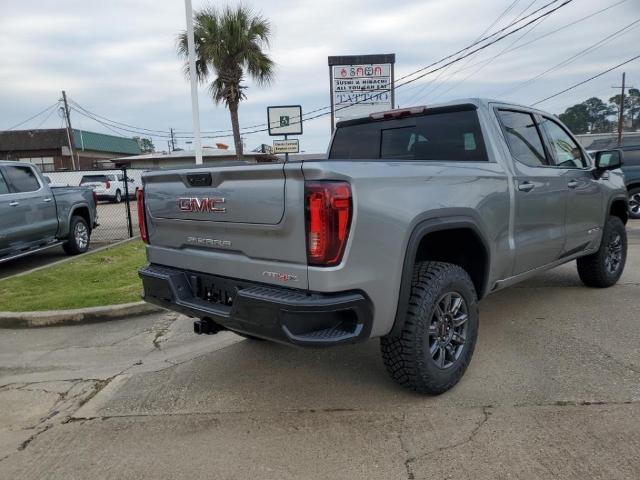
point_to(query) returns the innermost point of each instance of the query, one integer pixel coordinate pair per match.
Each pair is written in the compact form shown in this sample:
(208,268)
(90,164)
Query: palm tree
(229,44)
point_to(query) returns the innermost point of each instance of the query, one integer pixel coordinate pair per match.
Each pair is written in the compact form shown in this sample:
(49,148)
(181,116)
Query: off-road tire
(593,269)
(634,203)
(74,244)
(407,356)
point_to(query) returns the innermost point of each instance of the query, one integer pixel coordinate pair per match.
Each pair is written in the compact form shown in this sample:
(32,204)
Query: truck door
(582,192)
(5,220)
(32,209)
(539,231)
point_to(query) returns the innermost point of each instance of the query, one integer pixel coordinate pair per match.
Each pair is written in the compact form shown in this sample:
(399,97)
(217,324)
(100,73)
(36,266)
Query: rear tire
(634,203)
(79,236)
(436,343)
(118,197)
(604,268)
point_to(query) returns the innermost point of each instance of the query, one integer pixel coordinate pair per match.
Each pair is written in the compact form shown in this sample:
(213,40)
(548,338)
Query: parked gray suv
(631,169)
(415,216)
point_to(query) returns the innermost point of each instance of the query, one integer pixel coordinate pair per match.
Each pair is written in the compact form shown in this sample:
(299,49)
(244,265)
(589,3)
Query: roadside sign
(360,85)
(286,146)
(285,120)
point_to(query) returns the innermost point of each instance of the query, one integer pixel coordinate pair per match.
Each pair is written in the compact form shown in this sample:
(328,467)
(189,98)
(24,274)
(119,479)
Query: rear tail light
(328,216)
(108,184)
(95,197)
(142,217)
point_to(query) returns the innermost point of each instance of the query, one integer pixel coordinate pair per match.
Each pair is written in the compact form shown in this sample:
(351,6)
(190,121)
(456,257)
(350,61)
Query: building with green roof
(49,148)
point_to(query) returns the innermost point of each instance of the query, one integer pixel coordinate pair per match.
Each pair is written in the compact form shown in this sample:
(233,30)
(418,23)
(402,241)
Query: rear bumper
(280,314)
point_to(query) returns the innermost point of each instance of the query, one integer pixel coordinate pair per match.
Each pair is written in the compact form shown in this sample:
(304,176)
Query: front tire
(436,343)
(634,203)
(79,236)
(604,268)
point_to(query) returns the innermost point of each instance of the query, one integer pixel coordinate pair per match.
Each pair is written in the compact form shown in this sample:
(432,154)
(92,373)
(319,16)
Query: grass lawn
(104,278)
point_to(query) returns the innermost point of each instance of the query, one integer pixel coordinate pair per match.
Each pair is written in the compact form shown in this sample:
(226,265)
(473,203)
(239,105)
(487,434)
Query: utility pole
(173,141)
(193,77)
(69,131)
(621,108)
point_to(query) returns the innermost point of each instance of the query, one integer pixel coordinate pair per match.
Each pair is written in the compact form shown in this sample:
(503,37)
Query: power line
(581,53)
(586,81)
(490,60)
(422,73)
(514,48)
(34,116)
(484,32)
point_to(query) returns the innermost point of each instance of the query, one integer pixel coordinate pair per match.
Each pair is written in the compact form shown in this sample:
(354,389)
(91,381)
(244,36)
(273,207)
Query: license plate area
(215,290)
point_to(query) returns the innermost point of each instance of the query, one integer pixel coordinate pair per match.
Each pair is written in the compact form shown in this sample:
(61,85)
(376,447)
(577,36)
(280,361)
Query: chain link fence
(116,193)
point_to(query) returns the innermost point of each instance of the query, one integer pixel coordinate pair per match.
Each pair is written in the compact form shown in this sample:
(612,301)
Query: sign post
(285,120)
(360,85)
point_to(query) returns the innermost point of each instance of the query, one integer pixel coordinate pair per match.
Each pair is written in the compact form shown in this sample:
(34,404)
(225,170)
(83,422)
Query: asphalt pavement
(553,391)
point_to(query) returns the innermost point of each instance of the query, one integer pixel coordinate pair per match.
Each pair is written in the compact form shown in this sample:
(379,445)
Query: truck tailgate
(240,221)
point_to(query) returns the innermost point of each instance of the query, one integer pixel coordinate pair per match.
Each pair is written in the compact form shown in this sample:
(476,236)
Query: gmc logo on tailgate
(194,204)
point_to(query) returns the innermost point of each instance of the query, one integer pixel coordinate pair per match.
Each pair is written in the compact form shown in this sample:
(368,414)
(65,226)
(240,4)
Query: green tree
(230,44)
(576,118)
(145,144)
(634,107)
(598,112)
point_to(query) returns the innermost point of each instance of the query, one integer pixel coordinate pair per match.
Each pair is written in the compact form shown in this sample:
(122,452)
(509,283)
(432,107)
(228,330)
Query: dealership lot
(553,391)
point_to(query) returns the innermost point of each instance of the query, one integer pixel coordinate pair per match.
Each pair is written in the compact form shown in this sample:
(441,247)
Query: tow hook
(206,326)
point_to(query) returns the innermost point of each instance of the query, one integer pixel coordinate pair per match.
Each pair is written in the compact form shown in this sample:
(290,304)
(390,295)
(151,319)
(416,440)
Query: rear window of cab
(441,136)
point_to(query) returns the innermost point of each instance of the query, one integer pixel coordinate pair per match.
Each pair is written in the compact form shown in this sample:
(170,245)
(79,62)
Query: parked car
(415,216)
(109,186)
(35,216)
(631,169)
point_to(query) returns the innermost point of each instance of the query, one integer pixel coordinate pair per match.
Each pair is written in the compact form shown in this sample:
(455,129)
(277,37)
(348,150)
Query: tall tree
(576,118)
(146,144)
(598,112)
(634,107)
(230,43)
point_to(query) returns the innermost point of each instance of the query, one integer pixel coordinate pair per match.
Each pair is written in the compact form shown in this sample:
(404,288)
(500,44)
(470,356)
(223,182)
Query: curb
(48,318)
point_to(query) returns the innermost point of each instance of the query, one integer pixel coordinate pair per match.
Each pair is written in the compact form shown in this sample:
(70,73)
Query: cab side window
(4,188)
(566,152)
(23,179)
(523,138)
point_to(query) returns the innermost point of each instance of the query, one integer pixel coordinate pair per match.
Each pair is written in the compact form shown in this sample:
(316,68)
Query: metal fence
(116,190)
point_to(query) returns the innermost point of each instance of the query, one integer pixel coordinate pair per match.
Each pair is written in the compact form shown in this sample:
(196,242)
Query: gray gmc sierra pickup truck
(415,216)
(35,216)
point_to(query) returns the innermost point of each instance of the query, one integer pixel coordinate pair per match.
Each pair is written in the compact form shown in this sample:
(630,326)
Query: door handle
(14,204)
(47,200)
(525,186)
(572,184)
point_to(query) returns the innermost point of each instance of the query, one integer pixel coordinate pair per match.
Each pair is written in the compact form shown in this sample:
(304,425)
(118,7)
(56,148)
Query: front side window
(566,152)
(4,188)
(23,179)
(523,138)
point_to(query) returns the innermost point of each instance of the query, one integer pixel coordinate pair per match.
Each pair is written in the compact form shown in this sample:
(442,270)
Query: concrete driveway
(553,391)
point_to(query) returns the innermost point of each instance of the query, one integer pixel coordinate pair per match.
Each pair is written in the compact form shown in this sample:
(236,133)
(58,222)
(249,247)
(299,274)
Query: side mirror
(48,180)
(608,160)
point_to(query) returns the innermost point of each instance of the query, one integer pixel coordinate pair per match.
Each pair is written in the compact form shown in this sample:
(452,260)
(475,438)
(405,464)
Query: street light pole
(193,75)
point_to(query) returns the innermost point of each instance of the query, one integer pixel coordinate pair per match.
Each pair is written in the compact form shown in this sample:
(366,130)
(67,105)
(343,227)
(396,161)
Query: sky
(118,58)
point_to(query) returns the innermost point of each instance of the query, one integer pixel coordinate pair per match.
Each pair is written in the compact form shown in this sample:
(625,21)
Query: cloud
(118,58)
